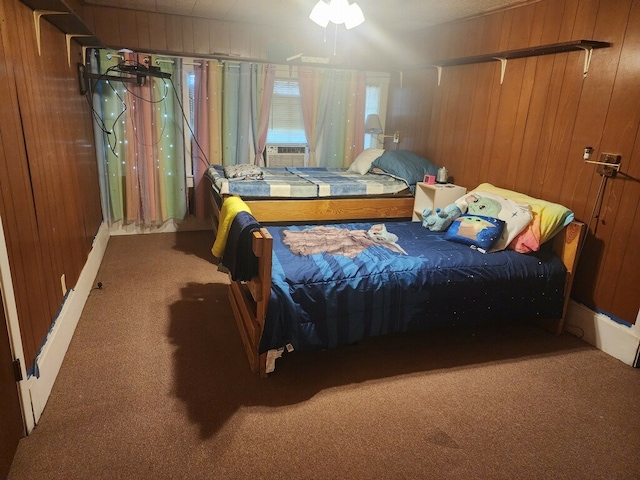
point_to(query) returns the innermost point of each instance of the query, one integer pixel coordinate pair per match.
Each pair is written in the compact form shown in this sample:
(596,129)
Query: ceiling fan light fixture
(337,12)
(320,14)
(354,16)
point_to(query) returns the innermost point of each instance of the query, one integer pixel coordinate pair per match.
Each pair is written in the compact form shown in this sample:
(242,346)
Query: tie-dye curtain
(310,80)
(200,145)
(214,90)
(333,103)
(262,80)
(141,138)
(232,102)
(232,136)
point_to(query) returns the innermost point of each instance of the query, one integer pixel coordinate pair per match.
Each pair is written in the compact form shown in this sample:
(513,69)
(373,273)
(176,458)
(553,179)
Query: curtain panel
(141,149)
(232,103)
(333,106)
(140,134)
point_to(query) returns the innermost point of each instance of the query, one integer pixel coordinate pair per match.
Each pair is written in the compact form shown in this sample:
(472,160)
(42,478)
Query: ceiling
(396,15)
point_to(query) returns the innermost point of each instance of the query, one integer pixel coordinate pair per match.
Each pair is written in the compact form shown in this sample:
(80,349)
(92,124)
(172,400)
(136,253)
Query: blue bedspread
(323,301)
(308,182)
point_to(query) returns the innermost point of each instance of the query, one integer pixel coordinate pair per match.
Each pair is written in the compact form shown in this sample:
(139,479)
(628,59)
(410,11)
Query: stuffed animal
(441,219)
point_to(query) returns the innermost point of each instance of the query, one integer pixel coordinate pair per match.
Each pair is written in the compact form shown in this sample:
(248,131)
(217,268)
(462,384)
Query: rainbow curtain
(139,136)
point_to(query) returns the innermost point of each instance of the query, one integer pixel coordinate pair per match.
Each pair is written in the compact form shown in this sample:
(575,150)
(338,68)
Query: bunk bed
(303,299)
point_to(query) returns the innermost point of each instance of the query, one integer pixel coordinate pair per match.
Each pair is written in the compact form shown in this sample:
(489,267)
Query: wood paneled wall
(50,198)
(528,134)
(151,32)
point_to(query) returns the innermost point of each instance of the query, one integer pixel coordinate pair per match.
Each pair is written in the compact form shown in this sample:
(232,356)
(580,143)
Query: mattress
(323,300)
(292,182)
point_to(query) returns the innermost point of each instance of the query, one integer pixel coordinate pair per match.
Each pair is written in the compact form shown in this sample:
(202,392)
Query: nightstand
(438,195)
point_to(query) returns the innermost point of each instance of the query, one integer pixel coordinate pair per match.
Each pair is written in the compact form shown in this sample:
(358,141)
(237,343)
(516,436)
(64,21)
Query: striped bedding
(294,182)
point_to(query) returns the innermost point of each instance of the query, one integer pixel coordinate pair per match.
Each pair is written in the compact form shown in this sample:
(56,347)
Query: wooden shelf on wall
(525,52)
(65,19)
(586,46)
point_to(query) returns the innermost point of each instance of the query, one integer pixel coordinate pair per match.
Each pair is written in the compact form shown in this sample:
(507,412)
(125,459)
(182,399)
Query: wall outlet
(613,161)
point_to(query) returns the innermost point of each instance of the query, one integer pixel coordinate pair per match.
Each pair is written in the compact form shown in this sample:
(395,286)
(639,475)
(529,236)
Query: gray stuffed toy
(441,219)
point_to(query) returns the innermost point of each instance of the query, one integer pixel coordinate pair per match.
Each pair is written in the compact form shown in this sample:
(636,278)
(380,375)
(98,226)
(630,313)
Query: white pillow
(363,162)
(515,215)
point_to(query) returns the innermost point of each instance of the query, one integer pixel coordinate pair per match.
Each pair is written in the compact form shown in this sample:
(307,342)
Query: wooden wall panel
(219,37)
(27,236)
(16,206)
(201,43)
(620,133)
(186,24)
(143,30)
(127,27)
(528,134)
(157,31)
(174,35)
(198,37)
(50,196)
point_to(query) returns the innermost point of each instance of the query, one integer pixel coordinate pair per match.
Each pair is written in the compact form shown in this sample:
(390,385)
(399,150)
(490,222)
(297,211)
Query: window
(375,102)
(285,119)
(371,105)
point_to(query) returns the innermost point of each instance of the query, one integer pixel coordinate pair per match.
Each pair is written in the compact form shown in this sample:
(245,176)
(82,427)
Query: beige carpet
(155,385)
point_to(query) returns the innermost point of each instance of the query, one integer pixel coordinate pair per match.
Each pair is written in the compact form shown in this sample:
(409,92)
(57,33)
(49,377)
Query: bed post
(249,301)
(567,246)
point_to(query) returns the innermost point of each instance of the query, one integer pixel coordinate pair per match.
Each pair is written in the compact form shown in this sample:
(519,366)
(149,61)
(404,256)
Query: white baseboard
(52,354)
(613,338)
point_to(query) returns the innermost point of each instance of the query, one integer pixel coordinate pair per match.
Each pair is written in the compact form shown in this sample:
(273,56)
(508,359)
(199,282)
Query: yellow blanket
(230,208)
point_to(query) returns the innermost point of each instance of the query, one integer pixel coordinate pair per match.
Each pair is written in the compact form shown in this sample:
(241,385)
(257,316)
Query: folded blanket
(238,257)
(243,172)
(230,208)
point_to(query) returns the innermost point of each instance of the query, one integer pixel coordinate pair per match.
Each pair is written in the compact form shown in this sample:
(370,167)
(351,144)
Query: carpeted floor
(156,385)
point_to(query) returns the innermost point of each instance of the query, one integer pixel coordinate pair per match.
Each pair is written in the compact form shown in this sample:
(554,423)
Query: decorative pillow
(406,166)
(477,231)
(548,219)
(363,162)
(516,216)
(243,171)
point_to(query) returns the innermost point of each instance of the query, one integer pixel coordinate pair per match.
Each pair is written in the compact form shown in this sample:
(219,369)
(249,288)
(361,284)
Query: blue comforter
(307,182)
(323,300)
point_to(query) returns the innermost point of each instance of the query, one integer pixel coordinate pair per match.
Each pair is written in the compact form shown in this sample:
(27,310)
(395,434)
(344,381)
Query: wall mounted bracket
(503,67)
(37,14)
(608,165)
(439,69)
(69,36)
(588,50)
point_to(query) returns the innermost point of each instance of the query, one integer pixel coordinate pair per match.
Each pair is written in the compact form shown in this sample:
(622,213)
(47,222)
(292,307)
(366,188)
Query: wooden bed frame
(249,300)
(324,209)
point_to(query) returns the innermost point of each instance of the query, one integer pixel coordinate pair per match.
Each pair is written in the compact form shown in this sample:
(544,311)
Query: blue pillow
(406,165)
(477,231)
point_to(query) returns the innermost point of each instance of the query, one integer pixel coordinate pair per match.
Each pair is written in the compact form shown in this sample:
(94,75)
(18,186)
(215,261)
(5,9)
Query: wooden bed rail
(321,209)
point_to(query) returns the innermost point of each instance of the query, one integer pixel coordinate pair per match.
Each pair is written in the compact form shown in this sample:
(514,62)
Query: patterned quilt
(293,182)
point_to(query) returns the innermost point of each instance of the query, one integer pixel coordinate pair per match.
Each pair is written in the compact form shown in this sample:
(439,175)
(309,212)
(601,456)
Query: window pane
(371,105)
(285,120)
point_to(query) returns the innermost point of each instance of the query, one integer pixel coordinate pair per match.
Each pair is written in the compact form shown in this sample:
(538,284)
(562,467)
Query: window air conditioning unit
(286,156)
